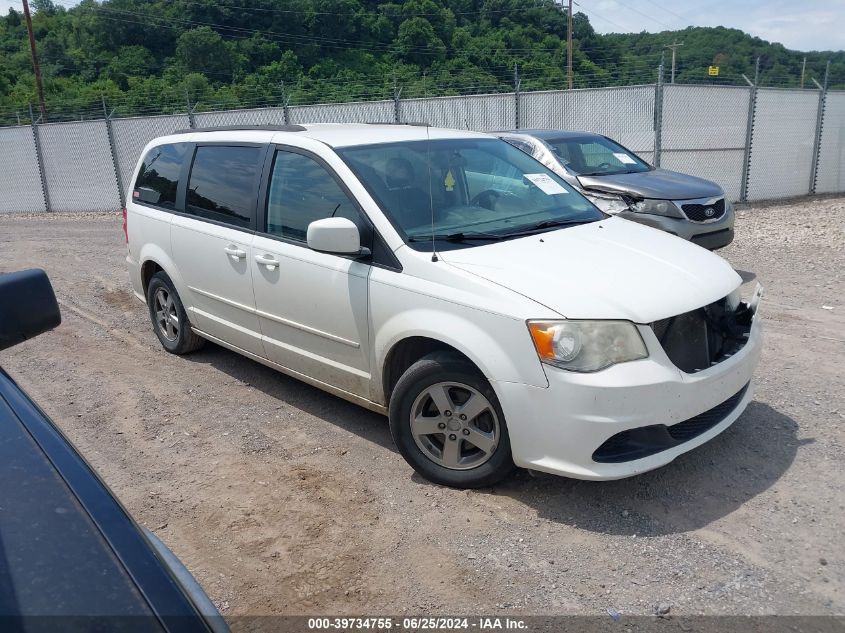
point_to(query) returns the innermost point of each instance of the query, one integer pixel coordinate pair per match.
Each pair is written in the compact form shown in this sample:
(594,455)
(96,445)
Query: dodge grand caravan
(451,281)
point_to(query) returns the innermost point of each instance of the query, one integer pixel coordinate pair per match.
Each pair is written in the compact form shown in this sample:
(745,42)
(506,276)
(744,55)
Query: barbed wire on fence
(177,99)
(756,142)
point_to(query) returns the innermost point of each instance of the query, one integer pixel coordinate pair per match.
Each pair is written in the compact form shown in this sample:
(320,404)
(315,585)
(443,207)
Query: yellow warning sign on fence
(713,71)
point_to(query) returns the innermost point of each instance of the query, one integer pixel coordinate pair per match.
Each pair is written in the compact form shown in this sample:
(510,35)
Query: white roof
(332,134)
(346,134)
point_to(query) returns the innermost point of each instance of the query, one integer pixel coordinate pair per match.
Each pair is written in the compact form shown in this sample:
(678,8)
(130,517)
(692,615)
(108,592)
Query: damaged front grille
(701,338)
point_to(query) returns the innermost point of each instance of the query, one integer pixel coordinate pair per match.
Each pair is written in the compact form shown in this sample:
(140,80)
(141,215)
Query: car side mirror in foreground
(28,306)
(335,235)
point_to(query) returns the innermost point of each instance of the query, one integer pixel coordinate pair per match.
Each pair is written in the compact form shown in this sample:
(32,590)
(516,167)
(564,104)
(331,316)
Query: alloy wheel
(454,425)
(167,319)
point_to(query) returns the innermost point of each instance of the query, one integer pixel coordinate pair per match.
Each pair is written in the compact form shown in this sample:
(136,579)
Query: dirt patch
(283,499)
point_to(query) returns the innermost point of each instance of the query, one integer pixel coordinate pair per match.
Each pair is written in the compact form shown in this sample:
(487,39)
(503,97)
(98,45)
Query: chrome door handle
(267,260)
(234,252)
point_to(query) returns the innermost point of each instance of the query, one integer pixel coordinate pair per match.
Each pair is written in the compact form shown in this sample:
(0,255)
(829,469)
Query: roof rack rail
(236,128)
(413,123)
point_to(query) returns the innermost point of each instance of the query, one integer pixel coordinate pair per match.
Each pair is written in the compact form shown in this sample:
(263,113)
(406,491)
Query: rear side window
(158,179)
(301,191)
(222,184)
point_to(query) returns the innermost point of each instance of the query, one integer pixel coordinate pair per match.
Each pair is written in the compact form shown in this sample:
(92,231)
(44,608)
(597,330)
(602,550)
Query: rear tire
(448,424)
(170,322)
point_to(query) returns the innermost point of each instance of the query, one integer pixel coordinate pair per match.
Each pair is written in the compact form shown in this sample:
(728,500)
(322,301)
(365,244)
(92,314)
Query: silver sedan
(621,183)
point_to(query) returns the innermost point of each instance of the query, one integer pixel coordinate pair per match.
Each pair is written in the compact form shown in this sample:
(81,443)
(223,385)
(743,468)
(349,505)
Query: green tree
(202,50)
(417,43)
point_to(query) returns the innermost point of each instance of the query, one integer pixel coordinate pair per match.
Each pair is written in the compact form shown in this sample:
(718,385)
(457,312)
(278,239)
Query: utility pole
(803,70)
(36,69)
(569,45)
(674,46)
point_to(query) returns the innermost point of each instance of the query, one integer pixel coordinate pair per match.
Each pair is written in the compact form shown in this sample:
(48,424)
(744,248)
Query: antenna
(430,190)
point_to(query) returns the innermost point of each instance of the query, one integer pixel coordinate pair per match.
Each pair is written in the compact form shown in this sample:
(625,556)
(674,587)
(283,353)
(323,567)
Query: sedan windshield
(465,191)
(596,156)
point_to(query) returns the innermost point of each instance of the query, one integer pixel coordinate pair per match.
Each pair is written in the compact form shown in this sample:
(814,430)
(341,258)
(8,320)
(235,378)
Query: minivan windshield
(465,190)
(596,156)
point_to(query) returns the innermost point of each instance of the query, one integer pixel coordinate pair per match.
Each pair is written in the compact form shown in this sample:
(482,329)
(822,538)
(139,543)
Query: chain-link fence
(757,143)
(624,114)
(704,133)
(830,176)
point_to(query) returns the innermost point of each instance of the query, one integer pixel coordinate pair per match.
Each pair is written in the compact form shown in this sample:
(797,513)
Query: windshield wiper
(548,224)
(455,237)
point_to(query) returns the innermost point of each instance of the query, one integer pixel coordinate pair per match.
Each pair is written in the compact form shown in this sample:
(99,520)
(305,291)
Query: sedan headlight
(608,204)
(586,346)
(657,207)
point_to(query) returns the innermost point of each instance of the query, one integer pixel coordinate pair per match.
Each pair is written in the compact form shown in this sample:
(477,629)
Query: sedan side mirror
(28,306)
(335,235)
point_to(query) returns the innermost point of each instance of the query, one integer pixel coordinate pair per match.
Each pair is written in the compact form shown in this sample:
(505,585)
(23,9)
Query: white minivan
(451,281)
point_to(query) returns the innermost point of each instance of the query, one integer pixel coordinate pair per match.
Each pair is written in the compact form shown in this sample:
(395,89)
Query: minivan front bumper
(560,429)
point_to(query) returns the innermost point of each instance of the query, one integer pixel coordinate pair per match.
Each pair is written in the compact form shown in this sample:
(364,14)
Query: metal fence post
(749,132)
(40,160)
(191,123)
(110,134)
(817,142)
(658,116)
(397,92)
(516,85)
(285,103)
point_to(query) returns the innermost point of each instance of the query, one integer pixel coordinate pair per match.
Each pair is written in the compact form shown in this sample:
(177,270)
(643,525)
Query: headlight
(657,207)
(586,345)
(608,204)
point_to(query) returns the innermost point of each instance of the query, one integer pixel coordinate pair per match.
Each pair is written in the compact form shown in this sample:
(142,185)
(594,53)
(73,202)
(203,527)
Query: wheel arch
(408,351)
(398,346)
(153,259)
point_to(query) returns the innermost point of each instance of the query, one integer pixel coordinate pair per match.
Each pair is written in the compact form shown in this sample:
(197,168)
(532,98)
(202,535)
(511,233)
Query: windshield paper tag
(624,158)
(545,184)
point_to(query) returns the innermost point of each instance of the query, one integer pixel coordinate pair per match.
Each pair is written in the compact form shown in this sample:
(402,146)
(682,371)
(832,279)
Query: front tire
(170,322)
(448,425)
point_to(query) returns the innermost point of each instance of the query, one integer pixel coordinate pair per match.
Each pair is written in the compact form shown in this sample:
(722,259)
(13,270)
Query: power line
(547,4)
(600,16)
(645,15)
(665,10)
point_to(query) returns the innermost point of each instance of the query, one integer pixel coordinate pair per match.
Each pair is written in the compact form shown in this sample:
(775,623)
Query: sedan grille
(704,212)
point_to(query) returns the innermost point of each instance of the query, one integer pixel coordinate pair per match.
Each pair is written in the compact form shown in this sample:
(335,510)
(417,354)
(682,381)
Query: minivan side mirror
(335,235)
(28,306)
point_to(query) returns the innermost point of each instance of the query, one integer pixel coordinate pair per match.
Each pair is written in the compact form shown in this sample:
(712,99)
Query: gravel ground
(284,500)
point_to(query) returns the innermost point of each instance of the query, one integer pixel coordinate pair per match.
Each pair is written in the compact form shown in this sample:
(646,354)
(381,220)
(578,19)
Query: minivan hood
(661,184)
(611,269)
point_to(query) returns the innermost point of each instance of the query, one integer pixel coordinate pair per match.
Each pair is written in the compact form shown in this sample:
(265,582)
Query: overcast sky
(801,25)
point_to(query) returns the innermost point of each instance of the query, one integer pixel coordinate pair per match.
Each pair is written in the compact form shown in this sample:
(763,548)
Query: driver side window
(301,191)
